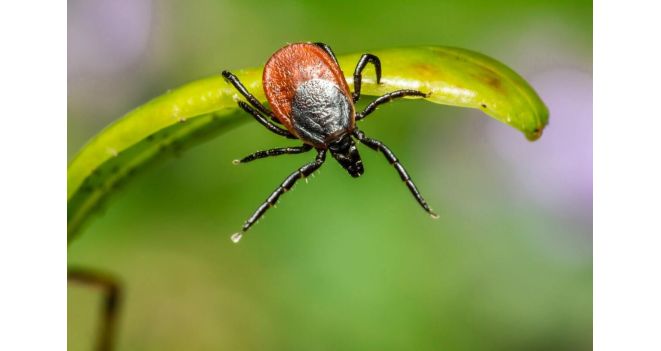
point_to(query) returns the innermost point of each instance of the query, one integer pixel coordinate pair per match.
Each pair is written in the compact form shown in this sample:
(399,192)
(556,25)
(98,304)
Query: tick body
(310,98)
(308,94)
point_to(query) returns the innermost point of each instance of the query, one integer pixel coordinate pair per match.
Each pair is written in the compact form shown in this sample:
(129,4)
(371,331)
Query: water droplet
(236,237)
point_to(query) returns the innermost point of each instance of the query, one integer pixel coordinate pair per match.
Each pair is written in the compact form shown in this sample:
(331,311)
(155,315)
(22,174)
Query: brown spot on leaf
(426,70)
(494,82)
(535,134)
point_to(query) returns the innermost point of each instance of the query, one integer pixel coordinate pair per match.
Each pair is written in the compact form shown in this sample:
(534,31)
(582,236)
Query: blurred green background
(342,263)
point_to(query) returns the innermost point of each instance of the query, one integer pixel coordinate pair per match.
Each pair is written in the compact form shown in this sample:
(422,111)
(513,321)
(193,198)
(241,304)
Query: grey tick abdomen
(320,111)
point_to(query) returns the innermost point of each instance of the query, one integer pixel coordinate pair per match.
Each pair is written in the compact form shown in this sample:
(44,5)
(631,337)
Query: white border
(627,165)
(33,175)
(627,168)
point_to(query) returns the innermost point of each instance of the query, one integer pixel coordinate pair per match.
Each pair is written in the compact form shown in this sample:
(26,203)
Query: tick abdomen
(320,111)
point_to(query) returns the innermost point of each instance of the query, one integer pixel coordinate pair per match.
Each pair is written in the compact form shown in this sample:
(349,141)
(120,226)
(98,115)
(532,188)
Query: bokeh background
(342,263)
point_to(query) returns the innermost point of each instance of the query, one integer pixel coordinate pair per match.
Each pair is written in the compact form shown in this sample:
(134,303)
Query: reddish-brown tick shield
(292,66)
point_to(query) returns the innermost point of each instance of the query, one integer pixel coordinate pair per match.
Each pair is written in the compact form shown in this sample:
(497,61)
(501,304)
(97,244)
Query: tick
(310,98)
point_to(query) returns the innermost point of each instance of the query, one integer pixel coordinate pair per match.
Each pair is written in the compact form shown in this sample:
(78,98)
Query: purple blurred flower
(107,35)
(557,169)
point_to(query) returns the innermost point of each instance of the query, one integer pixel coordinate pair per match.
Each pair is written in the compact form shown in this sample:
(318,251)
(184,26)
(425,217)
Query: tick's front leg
(265,122)
(274,152)
(286,185)
(387,98)
(358,73)
(234,80)
(392,159)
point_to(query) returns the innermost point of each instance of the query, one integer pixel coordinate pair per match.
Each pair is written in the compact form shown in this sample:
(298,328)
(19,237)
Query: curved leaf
(202,109)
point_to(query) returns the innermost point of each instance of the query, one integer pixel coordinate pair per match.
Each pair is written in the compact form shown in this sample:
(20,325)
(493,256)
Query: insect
(309,96)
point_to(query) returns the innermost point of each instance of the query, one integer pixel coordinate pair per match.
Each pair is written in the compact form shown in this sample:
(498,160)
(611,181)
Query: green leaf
(205,108)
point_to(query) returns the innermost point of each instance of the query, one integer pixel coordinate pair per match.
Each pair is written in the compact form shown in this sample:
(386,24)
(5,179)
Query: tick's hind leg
(387,98)
(111,302)
(358,73)
(286,185)
(265,122)
(328,51)
(229,76)
(392,159)
(274,152)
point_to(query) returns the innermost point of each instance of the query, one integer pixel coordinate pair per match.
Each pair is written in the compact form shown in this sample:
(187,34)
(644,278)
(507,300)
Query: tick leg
(392,159)
(358,72)
(111,302)
(274,152)
(252,99)
(286,185)
(387,98)
(265,122)
(328,50)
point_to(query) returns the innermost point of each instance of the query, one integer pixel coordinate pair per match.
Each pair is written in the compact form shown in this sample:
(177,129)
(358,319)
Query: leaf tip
(534,134)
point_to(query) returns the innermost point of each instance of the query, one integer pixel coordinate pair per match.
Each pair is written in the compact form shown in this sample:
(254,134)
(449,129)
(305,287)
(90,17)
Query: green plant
(203,109)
